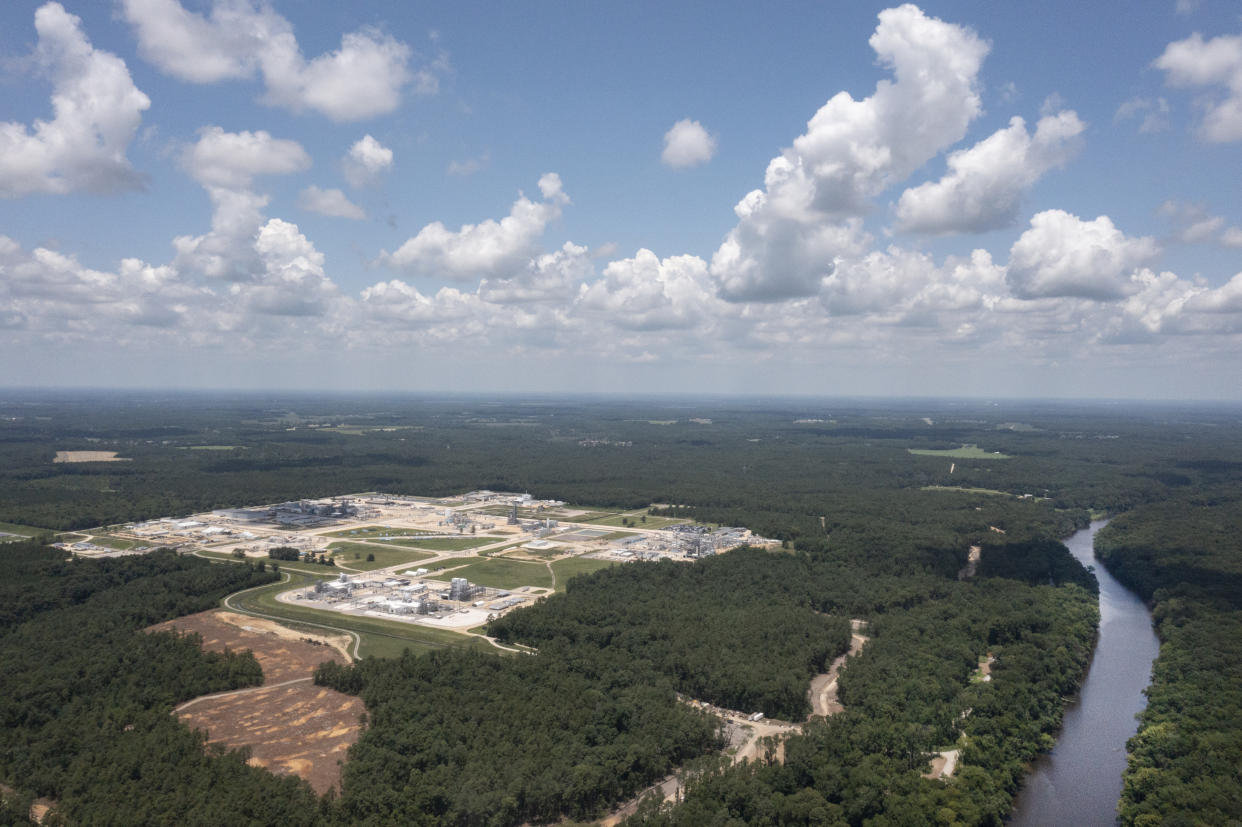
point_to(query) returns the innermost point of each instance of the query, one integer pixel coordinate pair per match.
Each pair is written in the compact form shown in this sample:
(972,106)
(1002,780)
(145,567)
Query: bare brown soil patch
(88,456)
(283,653)
(294,729)
(291,726)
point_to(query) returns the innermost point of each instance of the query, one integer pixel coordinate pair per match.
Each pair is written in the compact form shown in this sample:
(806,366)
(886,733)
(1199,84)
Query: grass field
(117,543)
(989,491)
(635,519)
(213,447)
(23,530)
(501,573)
(570,566)
(380,638)
(448,543)
(620,535)
(354,555)
(370,532)
(284,565)
(965,452)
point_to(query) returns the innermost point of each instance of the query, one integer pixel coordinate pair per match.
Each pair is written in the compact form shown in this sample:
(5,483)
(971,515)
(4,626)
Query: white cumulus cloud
(330,202)
(495,249)
(239,38)
(1063,256)
(807,215)
(232,159)
(553,276)
(366,160)
(226,164)
(97,109)
(647,293)
(1210,63)
(292,281)
(687,144)
(985,184)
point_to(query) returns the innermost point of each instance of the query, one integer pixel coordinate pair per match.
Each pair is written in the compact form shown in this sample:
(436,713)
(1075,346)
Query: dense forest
(86,696)
(878,505)
(1185,557)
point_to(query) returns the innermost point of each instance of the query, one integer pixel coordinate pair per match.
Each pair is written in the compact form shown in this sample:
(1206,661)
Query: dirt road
(746,737)
(823,691)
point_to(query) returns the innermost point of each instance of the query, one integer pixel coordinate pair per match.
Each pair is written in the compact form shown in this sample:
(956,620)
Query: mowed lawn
(499,573)
(22,530)
(448,543)
(370,532)
(571,566)
(354,556)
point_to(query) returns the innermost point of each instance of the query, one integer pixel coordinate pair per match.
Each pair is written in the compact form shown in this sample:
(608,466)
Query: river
(1079,782)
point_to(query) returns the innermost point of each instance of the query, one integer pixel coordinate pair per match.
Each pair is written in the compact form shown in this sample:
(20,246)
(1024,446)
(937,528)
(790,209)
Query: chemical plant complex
(452,562)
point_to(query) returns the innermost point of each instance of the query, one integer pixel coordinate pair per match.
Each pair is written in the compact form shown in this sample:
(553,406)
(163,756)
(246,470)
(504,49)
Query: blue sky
(783,198)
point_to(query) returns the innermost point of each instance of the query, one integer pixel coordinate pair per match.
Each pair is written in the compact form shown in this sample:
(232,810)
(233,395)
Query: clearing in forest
(290,725)
(964,452)
(88,456)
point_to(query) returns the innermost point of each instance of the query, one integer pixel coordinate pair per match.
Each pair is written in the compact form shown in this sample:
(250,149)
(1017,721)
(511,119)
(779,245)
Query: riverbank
(1079,782)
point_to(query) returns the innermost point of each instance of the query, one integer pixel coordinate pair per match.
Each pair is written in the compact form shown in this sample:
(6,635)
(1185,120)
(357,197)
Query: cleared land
(290,725)
(372,532)
(570,566)
(88,456)
(448,543)
(354,555)
(500,573)
(965,452)
(16,531)
(991,492)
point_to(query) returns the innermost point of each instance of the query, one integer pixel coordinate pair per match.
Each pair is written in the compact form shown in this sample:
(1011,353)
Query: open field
(359,430)
(371,532)
(117,543)
(88,456)
(635,519)
(964,452)
(378,638)
(500,573)
(354,555)
(20,531)
(570,566)
(296,729)
(290,725)
(964,490)
(448,543)
(284,565)
(283,653)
